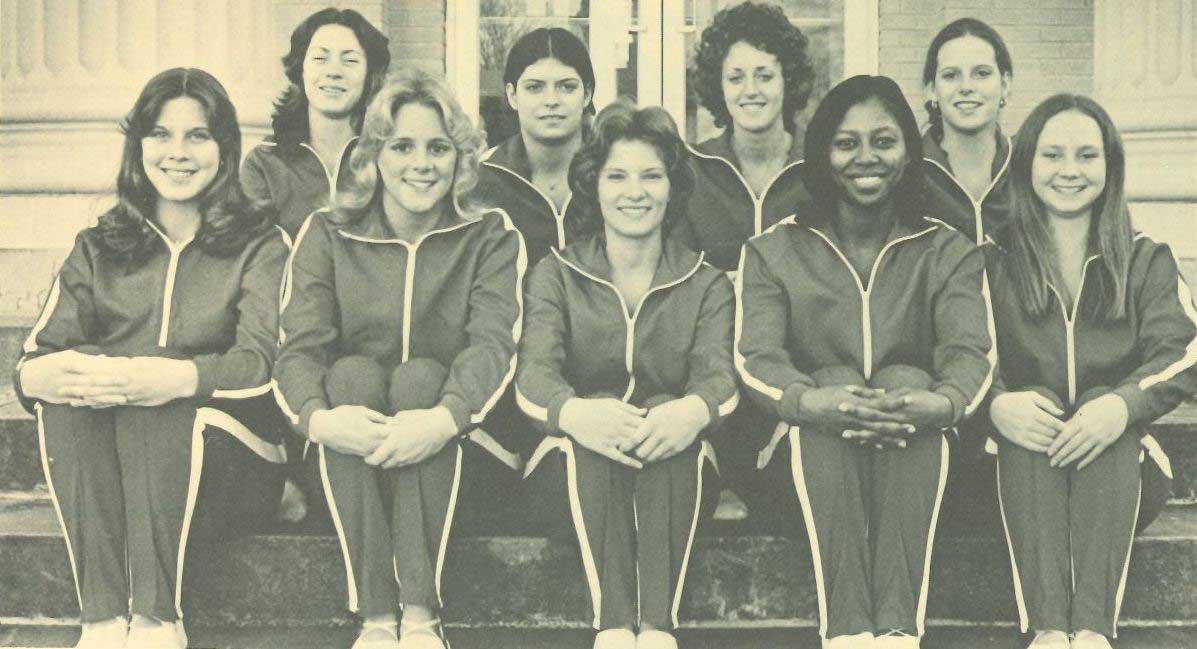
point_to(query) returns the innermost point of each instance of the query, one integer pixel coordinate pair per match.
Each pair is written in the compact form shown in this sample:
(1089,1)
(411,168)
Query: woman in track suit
(626,366)
(337,62)
(400,322)
(754,76)
(864,329)
(150,365)
(1098,338)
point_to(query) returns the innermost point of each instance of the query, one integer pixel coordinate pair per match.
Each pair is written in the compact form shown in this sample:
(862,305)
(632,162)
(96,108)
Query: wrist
(188,378)
(316,420)
(446,425)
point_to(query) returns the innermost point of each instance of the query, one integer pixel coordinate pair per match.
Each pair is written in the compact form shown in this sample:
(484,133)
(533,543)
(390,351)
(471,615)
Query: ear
(1007,83)
(929,91)
(589,98)
(510,90)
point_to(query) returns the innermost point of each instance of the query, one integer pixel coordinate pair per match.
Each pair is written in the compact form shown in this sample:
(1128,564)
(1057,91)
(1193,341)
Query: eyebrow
(351,50)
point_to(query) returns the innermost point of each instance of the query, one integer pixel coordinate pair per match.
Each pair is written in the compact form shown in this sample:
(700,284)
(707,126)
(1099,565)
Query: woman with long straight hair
(401,316)
(150,366)
(863,328)
(626,366)
(1097,335)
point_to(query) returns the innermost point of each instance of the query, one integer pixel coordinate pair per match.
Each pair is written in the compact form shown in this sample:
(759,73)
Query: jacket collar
(511,155)
(589,257)
(933,151)
(373,227)
(720,147)
(901,230)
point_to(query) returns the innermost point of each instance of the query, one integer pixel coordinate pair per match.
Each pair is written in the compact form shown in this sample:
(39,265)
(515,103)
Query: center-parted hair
(290,119)
(765,27)
(908,198)
(551,43)
(228,221)
(1033,252)
(623,121)
(952,31)
(410,87)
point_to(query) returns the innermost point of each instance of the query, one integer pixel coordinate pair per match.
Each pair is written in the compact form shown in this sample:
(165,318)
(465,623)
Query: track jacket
(294,181)
(505,182)
(802,308)
(1149,358)
(220,312)
(582,340)
(948,200)
(723,212)
(453,296)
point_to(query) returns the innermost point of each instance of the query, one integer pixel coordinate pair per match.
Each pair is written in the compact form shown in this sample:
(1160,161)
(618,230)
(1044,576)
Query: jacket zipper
(1070,329)
(558,217)
(331,177)
(978,222)
(758,204)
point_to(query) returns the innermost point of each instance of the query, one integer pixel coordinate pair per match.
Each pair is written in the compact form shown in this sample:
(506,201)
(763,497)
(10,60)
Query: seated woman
(864,329)
(162,318)
(400,322)
(1098,338)
(626,364)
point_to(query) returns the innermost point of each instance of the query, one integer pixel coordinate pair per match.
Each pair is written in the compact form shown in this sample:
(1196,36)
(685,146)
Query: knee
(356,380)
(90,350)
(894,377)
(416,384)
(1091,394)
(838,375)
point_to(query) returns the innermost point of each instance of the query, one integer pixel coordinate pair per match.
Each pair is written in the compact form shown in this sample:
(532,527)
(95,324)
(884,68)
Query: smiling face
(549,98)
(868,153)
(179,155)
(753,88)
(1068,172)
(968,85)
(633,190)
(417,164)
(334,71)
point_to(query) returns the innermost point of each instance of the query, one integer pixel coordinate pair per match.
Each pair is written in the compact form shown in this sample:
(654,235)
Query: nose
(1069,167)
(178,148)
(866,153)
(750,85)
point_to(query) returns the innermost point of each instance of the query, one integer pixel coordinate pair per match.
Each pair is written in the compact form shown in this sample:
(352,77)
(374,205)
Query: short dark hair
(550,43)
(652,125)
(908,195)
(290,119)
(953,30)
(765,27)
(228,221)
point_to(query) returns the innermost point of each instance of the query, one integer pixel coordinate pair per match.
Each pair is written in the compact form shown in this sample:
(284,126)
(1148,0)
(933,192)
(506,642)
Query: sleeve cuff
(957,399)
(787,408)
(1137,405)
(305,414)
(555,407)
(205,377)
(458,408)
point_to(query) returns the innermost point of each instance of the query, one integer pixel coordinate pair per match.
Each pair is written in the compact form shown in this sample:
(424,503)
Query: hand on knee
(1030,418)
(416,384)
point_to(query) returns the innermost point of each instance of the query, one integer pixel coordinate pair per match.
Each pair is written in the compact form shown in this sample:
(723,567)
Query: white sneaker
(378,636)
(104,634)
(896,639)
(421,635)
(857,641)
(1086,639)
(1049,640)
(151,633)
(655,639)
(615,639)
(293,506)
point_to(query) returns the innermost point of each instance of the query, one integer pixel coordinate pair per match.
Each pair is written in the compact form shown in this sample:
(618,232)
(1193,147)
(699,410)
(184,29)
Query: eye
(534,86)
(1050,155)
(948,75)
(885,142)
(199,136)
(159,134)
(614,176)
(984,73)
(764,76)
(1091,155)
(735,78)
(843,143)
(653,175)
(401,146)
(440,148)
(568,86)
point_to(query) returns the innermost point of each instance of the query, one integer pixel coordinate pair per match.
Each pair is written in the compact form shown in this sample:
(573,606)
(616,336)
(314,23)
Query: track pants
(125,484)
(1070,532)
(635,528)
(393,524)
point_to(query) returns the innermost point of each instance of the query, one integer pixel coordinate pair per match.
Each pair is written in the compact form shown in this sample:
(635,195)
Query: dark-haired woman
(864,329)
(162,318)
(399,328)
(337,62)
(626,364)
(754,76)
(1097,335)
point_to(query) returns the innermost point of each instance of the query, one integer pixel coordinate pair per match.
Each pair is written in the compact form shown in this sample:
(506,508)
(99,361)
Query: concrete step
(288,578)
(938,637)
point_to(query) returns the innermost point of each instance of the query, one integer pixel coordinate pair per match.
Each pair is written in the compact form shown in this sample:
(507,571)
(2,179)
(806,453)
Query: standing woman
(1098,338)
(336,64)
(753,76)
(864,329)
(549,83)
(163,317)
(966,79)
(626,364)
(400,323)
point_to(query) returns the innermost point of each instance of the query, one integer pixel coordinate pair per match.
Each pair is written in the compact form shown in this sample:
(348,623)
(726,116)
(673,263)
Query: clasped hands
(631,435)
(407,437)
(872,416)
(97,381)
(1036,423)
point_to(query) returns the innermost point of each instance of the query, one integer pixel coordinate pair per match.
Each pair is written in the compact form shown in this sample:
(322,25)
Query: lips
(419,185)
(1069,189)
(635,210)
(178,174)
(967,106)
(332,91)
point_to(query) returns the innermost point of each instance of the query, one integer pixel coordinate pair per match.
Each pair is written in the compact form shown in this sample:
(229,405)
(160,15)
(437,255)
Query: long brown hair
(1033,251)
